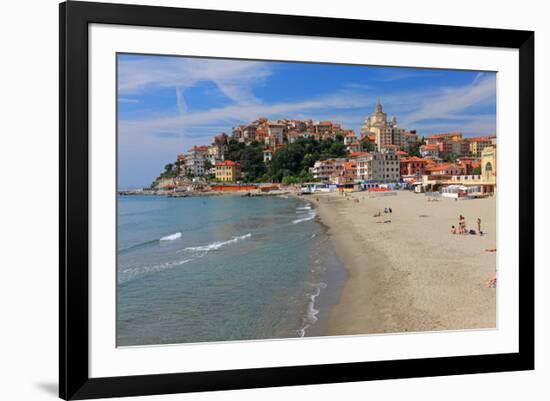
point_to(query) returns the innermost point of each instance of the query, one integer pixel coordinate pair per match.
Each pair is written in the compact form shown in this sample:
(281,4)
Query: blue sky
(168,104)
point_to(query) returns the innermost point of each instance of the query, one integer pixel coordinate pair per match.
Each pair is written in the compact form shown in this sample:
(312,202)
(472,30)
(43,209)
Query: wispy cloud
(233,78)
(452,101)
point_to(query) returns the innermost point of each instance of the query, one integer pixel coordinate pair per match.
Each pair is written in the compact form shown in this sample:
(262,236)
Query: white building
(194,161)
(323,169)
(378,167)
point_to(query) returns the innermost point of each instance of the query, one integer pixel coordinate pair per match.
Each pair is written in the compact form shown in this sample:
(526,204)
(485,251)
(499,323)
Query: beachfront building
(478,144)
(489,168)
(386,132)
(228,171)
(468,163)
(484,183)
(378,167)
(345,176)
(195,161)
(444,169)
(412,167)
(323,169)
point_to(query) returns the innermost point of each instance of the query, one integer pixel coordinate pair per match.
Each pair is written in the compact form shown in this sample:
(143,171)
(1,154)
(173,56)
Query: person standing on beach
(479,225)
(461,224)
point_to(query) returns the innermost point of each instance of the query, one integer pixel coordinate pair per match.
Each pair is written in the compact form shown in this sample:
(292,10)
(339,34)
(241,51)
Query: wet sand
(411,274)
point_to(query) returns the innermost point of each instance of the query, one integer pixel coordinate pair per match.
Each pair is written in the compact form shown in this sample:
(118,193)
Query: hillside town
(324,156)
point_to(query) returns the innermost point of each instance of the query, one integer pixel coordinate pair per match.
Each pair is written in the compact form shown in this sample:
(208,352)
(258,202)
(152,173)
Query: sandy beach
(411,274)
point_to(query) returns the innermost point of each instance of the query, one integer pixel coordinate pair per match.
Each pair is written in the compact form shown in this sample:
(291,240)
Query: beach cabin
(459,191)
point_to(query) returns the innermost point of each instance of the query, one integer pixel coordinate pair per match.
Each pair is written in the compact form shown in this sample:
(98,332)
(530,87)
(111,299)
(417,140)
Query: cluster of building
(426,173)
(380,154)
(275,134)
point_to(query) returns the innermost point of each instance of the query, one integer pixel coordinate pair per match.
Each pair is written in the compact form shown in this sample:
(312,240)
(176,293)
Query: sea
(222,268)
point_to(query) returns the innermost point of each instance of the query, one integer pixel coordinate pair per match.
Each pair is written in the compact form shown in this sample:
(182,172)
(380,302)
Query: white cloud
(232,77)
(452,101)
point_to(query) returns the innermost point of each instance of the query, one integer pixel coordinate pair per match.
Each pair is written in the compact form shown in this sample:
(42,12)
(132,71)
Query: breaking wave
(171,237)
(310,216)
(218,244)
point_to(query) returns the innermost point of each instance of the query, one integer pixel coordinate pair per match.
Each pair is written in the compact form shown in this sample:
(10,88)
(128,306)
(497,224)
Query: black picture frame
(74,379)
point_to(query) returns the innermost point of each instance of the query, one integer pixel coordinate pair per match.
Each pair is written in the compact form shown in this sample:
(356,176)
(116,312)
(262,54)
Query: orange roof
(325,123)
(441,167)
(479,139)
(445,135)
(200,148)
(413,159)
(401,153)
(228,163)
(358,154)
(267,151)
(431,147)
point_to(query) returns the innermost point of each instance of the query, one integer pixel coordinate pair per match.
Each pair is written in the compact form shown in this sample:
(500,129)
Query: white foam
(218,244)
(310,216)
(134,272)
(171,237)
(311,315)
(307,207)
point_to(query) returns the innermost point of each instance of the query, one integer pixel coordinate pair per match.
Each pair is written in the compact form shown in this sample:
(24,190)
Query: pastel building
(323,169)
(378,167)
(386,132)
(228,171)
(412,166)
(478,144)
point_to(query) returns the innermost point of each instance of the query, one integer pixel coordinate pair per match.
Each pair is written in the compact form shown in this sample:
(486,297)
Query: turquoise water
(220,269)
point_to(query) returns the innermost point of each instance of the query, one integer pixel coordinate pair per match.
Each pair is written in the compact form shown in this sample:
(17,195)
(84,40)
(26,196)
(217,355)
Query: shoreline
(412,274)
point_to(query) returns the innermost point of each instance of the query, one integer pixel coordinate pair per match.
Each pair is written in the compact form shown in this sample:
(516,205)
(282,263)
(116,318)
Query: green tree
(414,150)
(477,170)
(208,165)
(252,162)
(338,149)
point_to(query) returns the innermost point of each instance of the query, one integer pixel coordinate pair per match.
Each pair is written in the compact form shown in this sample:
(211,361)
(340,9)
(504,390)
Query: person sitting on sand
(453,230)
(389,209)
